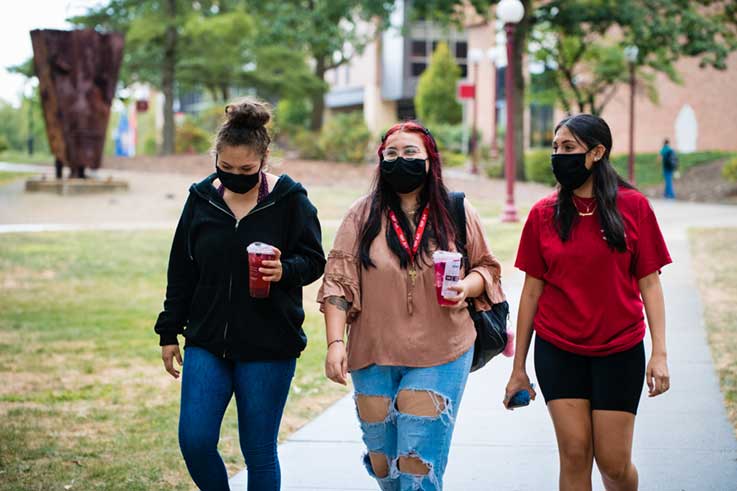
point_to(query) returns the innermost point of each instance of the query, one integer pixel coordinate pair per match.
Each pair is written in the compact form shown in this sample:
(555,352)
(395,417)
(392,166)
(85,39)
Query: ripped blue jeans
(407,417)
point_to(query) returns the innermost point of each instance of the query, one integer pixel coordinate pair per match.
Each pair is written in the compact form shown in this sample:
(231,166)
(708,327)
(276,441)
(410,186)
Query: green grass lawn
(714,251)
(84,399)
(6,177)
(24,158)
(649,171)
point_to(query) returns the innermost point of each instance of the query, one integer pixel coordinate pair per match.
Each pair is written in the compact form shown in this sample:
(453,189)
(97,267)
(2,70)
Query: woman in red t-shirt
(592,253)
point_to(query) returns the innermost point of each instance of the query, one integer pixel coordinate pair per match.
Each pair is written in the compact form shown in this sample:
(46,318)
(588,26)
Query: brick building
(700,114)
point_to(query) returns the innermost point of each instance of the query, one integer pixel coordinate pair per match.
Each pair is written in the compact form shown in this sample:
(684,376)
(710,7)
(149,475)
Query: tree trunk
(520,48)
(318,99)
(168,76)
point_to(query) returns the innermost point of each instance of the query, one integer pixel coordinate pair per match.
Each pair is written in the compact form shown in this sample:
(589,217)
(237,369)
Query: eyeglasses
(408,152)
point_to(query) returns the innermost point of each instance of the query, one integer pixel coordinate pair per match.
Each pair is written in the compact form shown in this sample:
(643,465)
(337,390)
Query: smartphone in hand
(520,399)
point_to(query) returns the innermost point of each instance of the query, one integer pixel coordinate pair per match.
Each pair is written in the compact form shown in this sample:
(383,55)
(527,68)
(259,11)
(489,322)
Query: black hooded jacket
(207,294)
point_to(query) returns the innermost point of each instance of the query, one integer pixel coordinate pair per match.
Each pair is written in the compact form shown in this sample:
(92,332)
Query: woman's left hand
(459,300)
(272,270)
(657,376)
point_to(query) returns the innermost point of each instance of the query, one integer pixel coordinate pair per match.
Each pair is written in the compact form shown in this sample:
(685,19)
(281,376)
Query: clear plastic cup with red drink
(447,274)
(257,253)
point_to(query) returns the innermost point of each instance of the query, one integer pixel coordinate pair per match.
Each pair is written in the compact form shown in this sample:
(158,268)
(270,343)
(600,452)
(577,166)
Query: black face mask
(403,175)
(238,183)
(570,169)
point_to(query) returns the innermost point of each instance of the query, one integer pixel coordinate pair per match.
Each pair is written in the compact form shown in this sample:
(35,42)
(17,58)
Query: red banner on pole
(466,91)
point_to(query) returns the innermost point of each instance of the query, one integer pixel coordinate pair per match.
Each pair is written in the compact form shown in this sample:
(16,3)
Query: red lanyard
(418,234)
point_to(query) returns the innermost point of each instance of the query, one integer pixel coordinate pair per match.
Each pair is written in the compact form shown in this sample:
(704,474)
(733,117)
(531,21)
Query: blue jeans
(260,388)
(669,191)
(404,433)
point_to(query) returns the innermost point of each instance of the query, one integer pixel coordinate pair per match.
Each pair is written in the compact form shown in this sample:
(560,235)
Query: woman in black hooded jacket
(234,343)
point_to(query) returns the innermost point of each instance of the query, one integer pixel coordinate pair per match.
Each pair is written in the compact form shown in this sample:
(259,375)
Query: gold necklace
(588,212)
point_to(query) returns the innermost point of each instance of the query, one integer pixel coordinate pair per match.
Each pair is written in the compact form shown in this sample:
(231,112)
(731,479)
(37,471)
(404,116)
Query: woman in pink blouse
(408,356)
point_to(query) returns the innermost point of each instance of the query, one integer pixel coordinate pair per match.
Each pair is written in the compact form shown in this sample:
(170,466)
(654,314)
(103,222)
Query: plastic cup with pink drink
(257,253)
(447,274)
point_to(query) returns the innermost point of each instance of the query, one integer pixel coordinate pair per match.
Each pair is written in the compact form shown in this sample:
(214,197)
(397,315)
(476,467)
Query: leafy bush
(435,100)
(210,119)
(190,138)
(448,136)
(494,168)
(149,146)
(537,167)
(306,144)
(292,113)
(729,171)
(345,137)
(452,159)
(3,143)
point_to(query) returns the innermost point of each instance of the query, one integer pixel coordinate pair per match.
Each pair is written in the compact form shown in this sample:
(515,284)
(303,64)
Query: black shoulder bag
(491,325)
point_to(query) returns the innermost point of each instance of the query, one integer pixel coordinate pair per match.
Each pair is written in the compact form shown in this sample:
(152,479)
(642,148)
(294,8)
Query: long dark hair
(590,131)
(383,198)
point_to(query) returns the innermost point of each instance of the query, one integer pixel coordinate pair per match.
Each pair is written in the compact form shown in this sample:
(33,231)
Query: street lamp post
(493,56)
(475,56)
(631,52)
(510,12)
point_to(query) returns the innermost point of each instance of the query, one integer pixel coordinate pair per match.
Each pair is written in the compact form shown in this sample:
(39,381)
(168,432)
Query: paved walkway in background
(154,201)
(683,440)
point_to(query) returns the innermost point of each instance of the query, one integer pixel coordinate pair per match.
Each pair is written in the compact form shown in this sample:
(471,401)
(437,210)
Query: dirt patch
(328,174)
(17,277)
(703,183)
(305,171)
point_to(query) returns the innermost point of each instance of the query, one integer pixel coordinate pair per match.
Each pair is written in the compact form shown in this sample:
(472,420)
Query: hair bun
(249,113)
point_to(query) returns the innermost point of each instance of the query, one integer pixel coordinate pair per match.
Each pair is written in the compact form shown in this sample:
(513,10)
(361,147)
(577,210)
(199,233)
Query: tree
(329,32)
(435,100)
(663,30)
(150,56)
(584,42)
(216,45)
(452,11)
(30,115)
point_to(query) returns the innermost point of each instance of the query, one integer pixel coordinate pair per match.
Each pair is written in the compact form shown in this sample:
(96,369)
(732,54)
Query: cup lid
(260,248)
(446,255)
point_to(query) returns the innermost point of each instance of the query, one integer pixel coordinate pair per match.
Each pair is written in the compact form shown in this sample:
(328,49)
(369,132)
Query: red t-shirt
(591,303)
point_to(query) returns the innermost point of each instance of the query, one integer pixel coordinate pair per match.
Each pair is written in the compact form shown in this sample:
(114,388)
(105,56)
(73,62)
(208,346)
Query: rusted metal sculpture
(78,72)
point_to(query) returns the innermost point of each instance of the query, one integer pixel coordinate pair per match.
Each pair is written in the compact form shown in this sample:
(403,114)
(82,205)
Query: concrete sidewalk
(683,440)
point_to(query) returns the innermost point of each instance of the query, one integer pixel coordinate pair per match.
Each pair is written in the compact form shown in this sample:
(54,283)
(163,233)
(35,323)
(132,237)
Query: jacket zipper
(230,280)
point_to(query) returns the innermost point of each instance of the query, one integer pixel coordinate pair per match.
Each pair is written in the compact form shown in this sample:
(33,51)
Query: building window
(417,69)
(461,49)
(541,125)
(406,109)
(500,83)
(419,48)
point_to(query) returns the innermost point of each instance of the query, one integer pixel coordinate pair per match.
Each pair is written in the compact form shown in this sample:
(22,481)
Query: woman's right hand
(336,363)
(518,381)
(168,354)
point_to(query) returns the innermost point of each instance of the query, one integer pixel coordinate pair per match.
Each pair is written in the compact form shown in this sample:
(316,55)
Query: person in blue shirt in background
(669,159)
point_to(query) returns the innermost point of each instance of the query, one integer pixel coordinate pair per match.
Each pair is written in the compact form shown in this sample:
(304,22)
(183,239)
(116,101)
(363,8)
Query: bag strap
(458,212)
